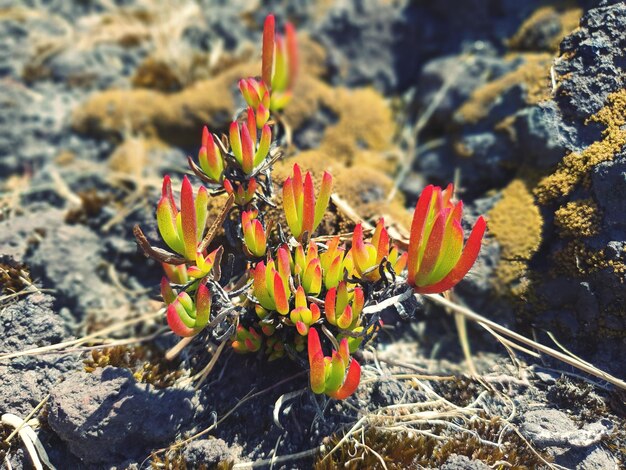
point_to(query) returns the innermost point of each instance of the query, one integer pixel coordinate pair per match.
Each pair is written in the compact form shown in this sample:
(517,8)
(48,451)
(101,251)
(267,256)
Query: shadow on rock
(107,417)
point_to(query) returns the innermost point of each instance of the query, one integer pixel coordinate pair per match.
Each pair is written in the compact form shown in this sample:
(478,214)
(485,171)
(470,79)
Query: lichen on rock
(576,167)
(578,218)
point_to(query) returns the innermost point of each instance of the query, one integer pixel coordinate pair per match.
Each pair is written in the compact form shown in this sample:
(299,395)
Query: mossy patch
(156,74)
(364,124)
(532,73)
(576,167)
(363,131)
(516,223)
(576,259)
(546,27)
(401,450)
(578,219)
(176,118)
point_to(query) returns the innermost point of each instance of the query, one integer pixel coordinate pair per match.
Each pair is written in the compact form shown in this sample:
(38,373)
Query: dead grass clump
(156,75)
(14,277)
(91,205)
(401,450)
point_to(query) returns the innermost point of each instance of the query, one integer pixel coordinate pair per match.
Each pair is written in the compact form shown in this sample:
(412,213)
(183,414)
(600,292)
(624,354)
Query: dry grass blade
(279,460)
(572,361)
(30,415)
(156,253)
(201,377)
(98,335)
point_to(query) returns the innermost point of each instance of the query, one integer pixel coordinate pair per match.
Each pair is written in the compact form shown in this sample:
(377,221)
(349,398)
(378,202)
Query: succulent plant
(437,259)
(303,210)
(291,287)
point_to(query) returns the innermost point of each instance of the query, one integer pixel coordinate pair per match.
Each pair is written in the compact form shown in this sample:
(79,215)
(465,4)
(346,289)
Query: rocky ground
(524,103)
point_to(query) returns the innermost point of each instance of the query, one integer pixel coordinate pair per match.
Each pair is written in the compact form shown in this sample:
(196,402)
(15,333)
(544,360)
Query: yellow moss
(157,75)
(364,121)
(578,219)
(575,260)
(567,15)
(575,167)
(516,223)
(64,158)
(176,118)
(532,73)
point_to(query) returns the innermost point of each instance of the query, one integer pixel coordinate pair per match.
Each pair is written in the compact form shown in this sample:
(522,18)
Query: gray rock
(594,66)
(29,323)
(609,188)
(553,428)
(365,40)
(106,417)
(210,452)
(452,79)
(542,136)
(101,66)
(598,458)
(68,258)
(461,462)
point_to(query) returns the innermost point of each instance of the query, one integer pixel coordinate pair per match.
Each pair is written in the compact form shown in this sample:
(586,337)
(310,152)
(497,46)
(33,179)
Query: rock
(101,66)
(450,80)
(609,187)
(572,447)
(591,62)
(68,257)
(543,136)
(364,40)
(29,323)
(106,417)
(210,452)
(553,428)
